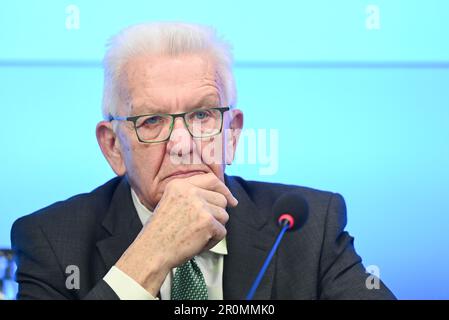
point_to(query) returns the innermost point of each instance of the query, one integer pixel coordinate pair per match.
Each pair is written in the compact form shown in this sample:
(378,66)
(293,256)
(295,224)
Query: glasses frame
(173,116)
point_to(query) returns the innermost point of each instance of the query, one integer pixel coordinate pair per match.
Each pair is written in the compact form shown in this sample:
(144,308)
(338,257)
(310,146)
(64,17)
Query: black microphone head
(293,208)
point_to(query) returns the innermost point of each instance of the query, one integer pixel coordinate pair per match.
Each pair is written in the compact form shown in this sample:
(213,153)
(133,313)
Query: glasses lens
(204,123)
(155,127)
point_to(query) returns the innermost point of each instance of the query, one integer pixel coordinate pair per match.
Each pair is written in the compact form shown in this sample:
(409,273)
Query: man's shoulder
(81,207)
(263,193)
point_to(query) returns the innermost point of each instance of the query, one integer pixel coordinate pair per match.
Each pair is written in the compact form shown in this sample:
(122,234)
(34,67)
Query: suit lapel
(121,223)
(249,240)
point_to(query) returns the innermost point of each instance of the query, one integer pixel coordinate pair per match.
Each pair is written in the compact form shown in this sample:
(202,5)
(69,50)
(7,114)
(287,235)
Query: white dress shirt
(210,262)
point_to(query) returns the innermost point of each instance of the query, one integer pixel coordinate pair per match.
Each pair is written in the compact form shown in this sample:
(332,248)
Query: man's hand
(189,219)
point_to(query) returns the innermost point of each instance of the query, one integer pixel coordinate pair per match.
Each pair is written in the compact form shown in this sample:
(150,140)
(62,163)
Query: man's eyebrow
(146,109)
(210,100)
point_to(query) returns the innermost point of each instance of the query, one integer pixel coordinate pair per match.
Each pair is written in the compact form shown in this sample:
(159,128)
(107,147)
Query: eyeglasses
(157,127)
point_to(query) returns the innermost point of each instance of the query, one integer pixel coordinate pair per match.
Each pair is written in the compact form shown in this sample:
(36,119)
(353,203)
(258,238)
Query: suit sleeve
(39,274)
(342,275)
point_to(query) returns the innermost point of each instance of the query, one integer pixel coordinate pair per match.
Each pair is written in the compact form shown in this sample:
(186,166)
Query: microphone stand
(285,226)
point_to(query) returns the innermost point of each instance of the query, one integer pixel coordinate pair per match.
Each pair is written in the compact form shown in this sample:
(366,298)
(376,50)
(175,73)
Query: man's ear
(110,146)
(232,138)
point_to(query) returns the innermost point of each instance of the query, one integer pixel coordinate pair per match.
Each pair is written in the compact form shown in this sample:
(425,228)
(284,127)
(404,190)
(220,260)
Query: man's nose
(180,142)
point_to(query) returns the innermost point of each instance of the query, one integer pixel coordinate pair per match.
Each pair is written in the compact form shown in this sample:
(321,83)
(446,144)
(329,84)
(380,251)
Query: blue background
(361,112)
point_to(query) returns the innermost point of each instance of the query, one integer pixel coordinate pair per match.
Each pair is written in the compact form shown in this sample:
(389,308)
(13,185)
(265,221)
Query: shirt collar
(145,215)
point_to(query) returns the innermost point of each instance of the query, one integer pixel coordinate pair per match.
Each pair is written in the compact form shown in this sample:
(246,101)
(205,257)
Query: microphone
(291,208)
(291,212)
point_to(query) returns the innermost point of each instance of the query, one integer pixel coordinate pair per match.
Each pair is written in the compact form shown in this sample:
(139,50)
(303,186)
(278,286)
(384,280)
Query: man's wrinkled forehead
(143,74)
(159,70)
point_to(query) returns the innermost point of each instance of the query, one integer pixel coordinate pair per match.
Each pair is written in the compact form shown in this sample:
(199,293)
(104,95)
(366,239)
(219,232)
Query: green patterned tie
(188,283)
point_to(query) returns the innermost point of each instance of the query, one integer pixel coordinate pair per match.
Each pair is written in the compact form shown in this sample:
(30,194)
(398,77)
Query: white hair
(165,38)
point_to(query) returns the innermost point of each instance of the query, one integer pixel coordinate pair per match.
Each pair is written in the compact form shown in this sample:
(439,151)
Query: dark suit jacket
(91,231)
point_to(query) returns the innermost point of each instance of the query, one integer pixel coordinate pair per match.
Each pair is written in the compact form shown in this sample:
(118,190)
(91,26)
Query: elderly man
(172,225)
